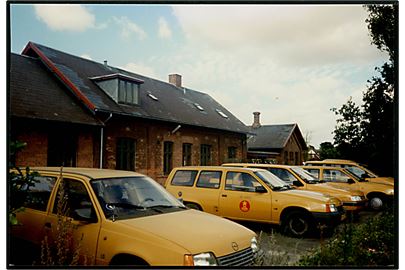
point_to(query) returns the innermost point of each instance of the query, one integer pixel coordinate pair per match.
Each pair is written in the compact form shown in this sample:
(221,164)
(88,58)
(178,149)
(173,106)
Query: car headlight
(331,208)
(390,192)
(355,198)
(254,245)
(201,259)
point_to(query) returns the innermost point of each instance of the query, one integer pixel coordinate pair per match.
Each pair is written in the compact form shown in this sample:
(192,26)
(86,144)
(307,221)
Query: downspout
(102,141)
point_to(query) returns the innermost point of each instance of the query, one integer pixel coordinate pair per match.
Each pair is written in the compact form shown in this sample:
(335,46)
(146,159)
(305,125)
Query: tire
(127,260)
(298,224)
(376,203)
(193,206)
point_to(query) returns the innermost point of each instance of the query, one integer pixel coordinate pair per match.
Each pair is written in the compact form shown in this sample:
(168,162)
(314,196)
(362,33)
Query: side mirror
(350,181)
(85,215)
(297,183)
(260,189)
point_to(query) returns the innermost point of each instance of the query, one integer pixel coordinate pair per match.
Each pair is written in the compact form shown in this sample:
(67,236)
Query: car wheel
(376,203)
(297,224)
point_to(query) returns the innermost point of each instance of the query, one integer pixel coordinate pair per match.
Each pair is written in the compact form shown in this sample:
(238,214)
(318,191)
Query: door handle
(224,195)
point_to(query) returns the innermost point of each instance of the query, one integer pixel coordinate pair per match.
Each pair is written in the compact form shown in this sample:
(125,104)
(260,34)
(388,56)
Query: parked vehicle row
(126,218)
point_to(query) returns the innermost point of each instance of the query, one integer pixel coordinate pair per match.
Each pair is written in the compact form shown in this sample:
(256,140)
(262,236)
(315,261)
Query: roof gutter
(102,140)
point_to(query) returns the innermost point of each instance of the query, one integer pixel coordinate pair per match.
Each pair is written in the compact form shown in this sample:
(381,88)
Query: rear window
(184,178)
(209,179)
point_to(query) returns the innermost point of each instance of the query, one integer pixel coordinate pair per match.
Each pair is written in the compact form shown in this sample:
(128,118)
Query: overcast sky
(292,63)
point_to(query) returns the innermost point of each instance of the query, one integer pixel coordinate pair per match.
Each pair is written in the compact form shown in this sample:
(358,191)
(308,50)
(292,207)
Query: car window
(184,178)
(75,197)
(335,176)
(38,195)
(209,179)
(240,181)
(314,172)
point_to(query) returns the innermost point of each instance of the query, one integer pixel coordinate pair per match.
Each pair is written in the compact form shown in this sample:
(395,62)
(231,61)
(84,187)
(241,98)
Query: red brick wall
(151,137)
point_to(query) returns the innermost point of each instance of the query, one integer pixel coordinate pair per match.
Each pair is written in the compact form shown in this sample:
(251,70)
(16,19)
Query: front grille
(241,258)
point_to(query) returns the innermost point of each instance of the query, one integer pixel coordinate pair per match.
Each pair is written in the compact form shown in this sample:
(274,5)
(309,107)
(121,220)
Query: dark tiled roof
(174,104)
(273,137)
(36,94)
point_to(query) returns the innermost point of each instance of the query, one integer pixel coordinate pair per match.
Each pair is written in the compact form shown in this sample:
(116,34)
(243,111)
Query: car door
(74,219)
(207,190)
(32,218)
(240,198)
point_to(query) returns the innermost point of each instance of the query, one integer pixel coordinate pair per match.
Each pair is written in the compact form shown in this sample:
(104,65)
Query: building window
(128,92)
(187,154)
(205,155)
(232,152)
(167,157)
(286,157)
(125,154)
(62,148)
(291,158)
(122,88)
(297,162)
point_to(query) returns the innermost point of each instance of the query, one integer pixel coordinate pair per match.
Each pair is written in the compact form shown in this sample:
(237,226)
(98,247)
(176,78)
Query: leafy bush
(368,244)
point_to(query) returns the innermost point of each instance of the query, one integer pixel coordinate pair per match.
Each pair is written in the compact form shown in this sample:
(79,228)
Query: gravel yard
(281,250)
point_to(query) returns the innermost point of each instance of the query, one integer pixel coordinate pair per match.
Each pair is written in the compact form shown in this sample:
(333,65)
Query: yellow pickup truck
(378,194)
(253,195)
(355,168)
(353,200)
(125,218)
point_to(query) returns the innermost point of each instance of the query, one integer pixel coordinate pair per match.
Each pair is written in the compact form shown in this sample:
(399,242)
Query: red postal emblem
(244,206)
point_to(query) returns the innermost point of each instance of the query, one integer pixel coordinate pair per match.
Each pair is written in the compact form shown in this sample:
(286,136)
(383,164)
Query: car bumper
(329,219)
(354,206)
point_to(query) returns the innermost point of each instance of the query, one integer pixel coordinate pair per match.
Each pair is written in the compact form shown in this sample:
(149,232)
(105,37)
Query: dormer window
(123,89)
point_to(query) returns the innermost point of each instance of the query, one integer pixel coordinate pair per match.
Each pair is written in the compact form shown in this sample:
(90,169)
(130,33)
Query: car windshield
(359,172)
(129,197)
(306,176)
(353,175)
(272,181)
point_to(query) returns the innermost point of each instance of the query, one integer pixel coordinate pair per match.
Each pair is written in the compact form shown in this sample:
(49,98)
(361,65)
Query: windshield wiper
(165,206)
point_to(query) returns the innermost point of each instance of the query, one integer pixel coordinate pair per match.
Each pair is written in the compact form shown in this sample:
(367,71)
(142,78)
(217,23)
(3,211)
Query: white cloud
(128,28)
(141,69)
(164,29)
(306,34)
(64,17)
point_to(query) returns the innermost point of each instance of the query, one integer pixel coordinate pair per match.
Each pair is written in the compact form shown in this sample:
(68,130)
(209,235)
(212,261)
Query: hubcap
(298,225)
(376,203)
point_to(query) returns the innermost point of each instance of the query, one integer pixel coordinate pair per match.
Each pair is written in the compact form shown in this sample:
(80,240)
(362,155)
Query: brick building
(281,144)
(78,112)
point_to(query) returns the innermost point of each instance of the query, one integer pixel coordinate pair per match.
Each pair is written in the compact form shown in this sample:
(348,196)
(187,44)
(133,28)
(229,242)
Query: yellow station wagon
(125,218)
(355,168)
(378,194)
(353,200)
(253,195)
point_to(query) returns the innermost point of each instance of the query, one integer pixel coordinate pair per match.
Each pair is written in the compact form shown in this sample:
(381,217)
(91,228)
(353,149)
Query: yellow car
(353,167)
(253,195)
(353,200)
(378,194)
(125,218)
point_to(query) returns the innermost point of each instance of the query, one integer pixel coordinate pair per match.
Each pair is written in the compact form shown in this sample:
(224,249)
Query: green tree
(327,150)
(372,139)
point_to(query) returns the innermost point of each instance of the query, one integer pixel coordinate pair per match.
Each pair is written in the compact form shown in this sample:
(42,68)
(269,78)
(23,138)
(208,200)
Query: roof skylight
(221,113)
(153,97)
(199,106)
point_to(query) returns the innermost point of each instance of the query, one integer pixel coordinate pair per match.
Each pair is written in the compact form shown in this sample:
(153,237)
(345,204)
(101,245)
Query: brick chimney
(256,120)
(175,79)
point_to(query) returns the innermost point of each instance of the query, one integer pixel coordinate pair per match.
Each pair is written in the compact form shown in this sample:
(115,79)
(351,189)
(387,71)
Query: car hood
(195,231)
(312,195)
(382,180)
(339,192)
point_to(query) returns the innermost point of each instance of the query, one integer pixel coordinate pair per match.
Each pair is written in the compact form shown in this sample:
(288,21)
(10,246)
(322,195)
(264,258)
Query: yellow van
(126,218)
(253,195)
(353,200)
(378,194)
(355,168)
